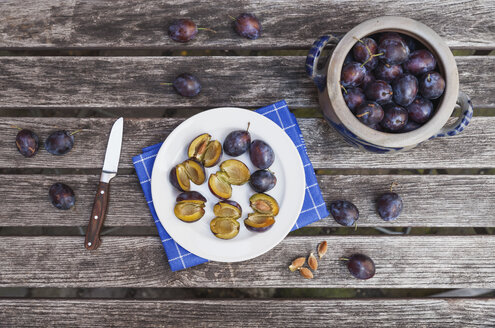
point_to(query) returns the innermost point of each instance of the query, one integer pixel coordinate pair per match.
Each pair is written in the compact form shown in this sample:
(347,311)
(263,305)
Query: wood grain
(335,313)
(401,262)
(430,201)
(473,148)
(132,82)
(286,24)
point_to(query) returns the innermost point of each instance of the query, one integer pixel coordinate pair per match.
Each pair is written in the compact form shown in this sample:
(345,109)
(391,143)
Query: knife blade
(110,167)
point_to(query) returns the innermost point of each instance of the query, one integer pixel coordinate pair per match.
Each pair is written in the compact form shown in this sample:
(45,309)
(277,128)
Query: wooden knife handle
(98,215)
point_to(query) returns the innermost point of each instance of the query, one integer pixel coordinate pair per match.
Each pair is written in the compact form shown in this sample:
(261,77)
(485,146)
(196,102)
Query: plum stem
(370,57)
(77,131)
(270,171)
(345,90)
(233,18)
(207,29)
(428,78)
(361,115)
(343,259)
(393,184)
(355,225)
(166,83)
(249,124)
(15,127)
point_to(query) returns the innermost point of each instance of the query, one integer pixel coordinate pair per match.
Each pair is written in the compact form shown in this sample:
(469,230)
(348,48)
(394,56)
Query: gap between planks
(383,313)
(429,200)
(471,149)
(401,262)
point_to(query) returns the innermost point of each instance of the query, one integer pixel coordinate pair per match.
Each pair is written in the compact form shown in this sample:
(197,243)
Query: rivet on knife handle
(98,215)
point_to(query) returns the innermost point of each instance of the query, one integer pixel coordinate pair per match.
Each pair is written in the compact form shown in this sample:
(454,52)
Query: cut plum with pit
(179,178)
(195,171)
(197,147)
(258,222)
(264,204)
(205,150)
(219,186)
(228,208)
(236,171)
(224,227)
(189,210)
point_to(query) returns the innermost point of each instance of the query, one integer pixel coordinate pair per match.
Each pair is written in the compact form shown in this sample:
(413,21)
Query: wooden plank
(249,313)
(401,262)
(430,201)
(129,24)
(131,82)
(470,149)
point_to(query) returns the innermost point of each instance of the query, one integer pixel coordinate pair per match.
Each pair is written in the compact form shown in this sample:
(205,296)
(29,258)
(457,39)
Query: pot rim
(433,42)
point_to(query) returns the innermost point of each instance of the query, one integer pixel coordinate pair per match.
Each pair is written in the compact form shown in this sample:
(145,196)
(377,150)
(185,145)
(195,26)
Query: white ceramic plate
(196,237)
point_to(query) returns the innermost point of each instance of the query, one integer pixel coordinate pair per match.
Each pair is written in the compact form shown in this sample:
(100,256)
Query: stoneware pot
(343,120)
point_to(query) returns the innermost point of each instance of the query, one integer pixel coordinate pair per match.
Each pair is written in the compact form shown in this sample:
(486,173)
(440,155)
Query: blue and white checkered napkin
(314,208)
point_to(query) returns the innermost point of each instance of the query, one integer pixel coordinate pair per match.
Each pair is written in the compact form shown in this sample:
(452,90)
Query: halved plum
(179,178)
(213,153)
(195,171)
(190,196)
(205,150)
(259,222)
(228,208)
(224,228)
(264,204)
(197,147)
(237,172)
(219,186)
(189,210)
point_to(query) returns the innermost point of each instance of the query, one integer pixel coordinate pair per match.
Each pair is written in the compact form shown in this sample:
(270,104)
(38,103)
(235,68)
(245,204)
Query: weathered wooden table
(115,54)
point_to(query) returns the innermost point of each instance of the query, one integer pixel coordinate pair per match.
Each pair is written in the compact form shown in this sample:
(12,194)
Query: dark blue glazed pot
(341,118)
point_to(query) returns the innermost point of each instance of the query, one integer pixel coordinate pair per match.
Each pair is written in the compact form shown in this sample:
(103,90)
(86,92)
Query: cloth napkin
(313,209)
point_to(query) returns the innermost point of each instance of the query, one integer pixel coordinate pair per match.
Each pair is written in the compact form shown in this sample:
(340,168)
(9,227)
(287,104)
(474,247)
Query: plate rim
(299,165)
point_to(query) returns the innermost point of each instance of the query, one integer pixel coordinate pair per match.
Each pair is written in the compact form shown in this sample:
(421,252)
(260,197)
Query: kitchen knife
(110,166)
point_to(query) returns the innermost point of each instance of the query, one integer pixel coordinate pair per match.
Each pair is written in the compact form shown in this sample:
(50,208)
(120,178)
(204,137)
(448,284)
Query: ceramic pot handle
(467,113)
(318,76)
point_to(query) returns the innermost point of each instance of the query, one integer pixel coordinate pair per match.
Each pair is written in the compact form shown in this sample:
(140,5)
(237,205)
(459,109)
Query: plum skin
(187,85)
(352,75)
(62,196)
(394,51)
(387,73)
(389,206)
(405,89)
(190,195)
(369,113)
(394,118)
(362,55)
(420,62)
(431,85)
(379,91)
(420,110)
(182,30)
(410,126)
(344,212)
(261,154)
(354,97)
(237,143)
(27,143)
(262,180)
(248,26)
(361,266)
(59,142)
